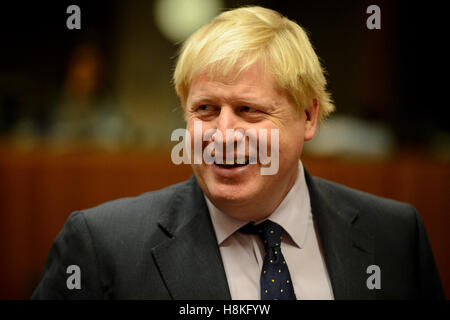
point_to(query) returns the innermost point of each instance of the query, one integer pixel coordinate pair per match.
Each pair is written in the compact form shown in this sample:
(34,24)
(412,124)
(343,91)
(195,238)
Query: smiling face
(252,101)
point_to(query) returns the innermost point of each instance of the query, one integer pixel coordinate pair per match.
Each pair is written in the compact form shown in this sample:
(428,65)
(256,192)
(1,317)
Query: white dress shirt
(243,254)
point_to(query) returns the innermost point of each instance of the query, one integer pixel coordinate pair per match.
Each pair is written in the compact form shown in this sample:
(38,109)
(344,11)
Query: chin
(237,193)
(233,193)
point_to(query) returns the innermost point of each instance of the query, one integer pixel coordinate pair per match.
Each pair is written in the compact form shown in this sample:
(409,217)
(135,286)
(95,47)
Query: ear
(312,113)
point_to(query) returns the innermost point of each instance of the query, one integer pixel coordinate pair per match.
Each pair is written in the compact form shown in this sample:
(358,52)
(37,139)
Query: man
(231,231)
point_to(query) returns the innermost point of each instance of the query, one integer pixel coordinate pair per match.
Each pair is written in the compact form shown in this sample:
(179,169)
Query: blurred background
(86,115)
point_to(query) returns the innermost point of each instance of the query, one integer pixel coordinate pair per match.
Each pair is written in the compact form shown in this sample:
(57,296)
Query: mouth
(231,164)
(231,171)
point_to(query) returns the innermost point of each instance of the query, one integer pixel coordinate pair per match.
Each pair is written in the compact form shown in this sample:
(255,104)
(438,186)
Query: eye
(247,109)
(204,111)
(205,107)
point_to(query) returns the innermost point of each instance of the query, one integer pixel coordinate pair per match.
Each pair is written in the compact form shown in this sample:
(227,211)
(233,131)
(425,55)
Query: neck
(257,209)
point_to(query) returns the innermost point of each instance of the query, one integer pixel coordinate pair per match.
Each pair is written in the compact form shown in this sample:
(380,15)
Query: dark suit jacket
(162,245)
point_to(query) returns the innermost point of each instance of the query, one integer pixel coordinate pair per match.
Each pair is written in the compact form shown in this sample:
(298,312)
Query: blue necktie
(276,283)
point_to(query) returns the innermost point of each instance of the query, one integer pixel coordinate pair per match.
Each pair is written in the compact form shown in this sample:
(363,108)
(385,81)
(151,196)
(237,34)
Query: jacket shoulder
(367,205)
(123,222)
(392,231)
(147,205)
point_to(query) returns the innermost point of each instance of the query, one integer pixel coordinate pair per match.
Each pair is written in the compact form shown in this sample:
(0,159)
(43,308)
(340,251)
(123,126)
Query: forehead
(254,80)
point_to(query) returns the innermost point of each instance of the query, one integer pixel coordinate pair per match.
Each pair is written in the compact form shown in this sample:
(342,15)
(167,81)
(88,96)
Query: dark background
(394,77)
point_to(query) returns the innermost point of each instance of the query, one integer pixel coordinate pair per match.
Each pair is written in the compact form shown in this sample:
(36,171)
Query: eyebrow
(197,99)
(243,101)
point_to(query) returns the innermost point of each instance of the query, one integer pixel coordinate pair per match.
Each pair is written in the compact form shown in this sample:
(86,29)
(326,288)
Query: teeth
(232,162)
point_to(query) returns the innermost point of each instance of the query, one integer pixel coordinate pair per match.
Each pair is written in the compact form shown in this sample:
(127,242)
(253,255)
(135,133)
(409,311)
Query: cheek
(291,142)
(195,127)
(290,148)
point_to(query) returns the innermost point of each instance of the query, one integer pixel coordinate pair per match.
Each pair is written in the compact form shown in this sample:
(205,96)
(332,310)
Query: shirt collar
(292,214)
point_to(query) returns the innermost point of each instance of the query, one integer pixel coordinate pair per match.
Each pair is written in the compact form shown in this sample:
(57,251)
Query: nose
(228,120)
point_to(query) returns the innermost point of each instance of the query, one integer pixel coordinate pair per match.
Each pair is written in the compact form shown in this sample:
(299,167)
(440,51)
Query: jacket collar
(189,260)
(348,250)
(191,265)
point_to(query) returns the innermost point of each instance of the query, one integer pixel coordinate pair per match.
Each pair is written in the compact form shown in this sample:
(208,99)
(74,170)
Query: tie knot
(268,231)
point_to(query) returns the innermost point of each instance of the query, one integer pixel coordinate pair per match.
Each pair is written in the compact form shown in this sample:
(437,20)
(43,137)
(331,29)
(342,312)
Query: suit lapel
(348,250)
(191,265)
(190,261)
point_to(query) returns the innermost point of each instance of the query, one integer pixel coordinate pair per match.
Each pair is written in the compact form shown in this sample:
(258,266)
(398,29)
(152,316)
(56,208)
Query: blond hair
(244,36)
